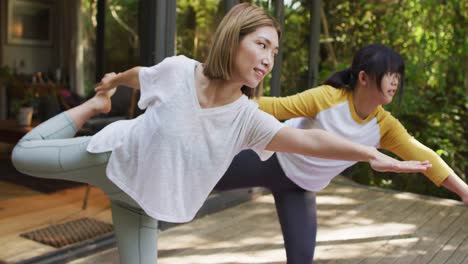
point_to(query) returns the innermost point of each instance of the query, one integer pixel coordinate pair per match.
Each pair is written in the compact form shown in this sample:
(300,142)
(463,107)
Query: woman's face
(255,56)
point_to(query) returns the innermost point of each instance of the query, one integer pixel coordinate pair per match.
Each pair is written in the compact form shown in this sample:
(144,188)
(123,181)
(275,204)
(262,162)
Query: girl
(163,164)
(348,104)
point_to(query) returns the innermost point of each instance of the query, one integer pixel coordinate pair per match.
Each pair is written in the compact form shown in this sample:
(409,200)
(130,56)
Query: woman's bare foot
(101,102)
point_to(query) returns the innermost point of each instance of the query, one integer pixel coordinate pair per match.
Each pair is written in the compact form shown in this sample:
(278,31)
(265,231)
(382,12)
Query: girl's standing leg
(297,213)
(295,206)
(247,170)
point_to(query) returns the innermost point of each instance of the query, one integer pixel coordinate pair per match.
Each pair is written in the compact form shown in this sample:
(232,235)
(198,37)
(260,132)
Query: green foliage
(121,35)
(430,35)
(432,38)
(122,47)
(5,74)
(88,38)
(27,96)
(196,24)
(295,49)
(30,99)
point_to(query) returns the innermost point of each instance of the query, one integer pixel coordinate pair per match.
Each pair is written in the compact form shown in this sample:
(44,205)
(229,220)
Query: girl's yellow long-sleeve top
(332,109)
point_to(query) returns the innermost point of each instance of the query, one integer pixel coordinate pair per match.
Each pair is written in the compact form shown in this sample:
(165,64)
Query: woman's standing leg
(136,234)
(50,151)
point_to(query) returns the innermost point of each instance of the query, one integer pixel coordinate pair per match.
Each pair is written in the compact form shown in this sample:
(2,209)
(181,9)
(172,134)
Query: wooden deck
(29,210)
(357,224)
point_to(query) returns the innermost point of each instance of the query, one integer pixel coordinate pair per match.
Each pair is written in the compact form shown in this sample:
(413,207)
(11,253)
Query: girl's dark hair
(375,60)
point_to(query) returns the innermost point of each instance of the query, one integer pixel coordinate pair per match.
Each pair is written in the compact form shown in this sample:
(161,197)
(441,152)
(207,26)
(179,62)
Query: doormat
(75,231)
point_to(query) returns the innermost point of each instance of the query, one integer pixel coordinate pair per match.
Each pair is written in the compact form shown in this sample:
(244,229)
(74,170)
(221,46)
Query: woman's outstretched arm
(323,144)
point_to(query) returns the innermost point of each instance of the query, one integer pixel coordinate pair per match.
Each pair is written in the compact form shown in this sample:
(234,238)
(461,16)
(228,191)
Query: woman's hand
(107,83)
(128,78)
(382,162)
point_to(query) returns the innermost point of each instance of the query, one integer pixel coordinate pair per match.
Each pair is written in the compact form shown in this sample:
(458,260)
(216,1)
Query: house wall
(27,59)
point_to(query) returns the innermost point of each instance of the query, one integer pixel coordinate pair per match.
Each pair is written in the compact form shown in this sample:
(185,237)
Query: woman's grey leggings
(50,151)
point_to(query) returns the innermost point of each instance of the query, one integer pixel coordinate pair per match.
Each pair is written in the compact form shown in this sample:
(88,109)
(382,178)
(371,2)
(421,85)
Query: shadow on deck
(357,224)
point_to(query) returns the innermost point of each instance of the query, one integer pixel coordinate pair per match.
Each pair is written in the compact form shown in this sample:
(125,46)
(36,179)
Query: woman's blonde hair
(241,20)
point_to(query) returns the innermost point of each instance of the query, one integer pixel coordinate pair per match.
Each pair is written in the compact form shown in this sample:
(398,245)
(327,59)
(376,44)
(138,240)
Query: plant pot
(24,116)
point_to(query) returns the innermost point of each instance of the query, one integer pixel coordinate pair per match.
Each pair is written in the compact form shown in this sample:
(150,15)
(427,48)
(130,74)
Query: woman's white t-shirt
(171,157)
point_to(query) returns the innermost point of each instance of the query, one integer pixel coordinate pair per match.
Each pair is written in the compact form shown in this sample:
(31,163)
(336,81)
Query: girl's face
(389,85)
(255,56)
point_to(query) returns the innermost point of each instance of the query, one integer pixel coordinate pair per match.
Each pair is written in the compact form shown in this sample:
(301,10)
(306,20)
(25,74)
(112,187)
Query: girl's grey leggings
(50,151)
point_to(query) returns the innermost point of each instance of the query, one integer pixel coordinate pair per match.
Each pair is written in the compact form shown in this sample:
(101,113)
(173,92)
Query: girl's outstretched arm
(458,186)
(398,141)
(323,144)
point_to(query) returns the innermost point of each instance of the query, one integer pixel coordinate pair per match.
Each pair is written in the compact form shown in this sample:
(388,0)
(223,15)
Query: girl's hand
(465,201)
(456,185)
(107,83)
(384,163)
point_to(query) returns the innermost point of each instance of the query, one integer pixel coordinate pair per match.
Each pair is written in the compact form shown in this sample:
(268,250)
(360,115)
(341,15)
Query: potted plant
(5,75)
(23,107)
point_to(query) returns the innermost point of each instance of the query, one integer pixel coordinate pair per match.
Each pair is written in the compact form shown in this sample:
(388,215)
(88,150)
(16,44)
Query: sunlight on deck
(357,224)
(325,199)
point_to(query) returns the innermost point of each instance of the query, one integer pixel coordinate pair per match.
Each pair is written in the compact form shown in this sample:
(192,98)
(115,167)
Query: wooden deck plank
(49,215)
(419,218)
(347,215)
(428,234)
(352,250)
(460,256)
(442,239)
(9,190)
(458,234)
(398,215)
(386,231)
(227,238)
(403,237)
(356,225)
(27,213)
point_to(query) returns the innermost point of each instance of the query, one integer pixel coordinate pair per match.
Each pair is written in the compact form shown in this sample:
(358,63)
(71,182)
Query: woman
(163,164)
(348,104)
